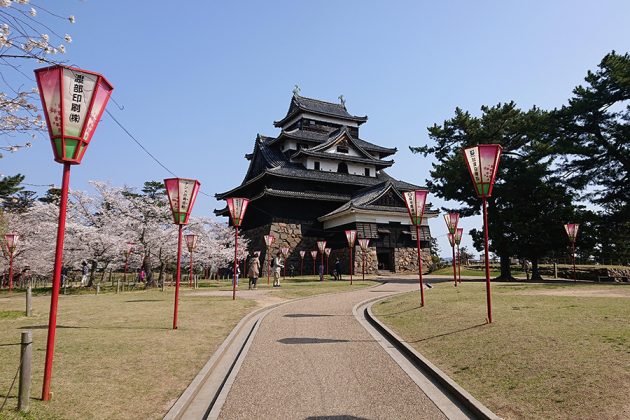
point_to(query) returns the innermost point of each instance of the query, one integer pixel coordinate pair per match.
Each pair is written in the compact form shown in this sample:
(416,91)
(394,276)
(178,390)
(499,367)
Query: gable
(389,199)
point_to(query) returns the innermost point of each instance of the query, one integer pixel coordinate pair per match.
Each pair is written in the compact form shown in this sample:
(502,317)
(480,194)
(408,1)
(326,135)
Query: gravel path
(311,359)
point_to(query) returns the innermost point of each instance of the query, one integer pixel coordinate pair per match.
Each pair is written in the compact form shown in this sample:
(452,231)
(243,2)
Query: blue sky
(198,80)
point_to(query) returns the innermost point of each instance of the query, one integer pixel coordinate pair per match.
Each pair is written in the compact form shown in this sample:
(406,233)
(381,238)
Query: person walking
(85,271)
(337,269)
(320,271)
(277,265)
(253,271)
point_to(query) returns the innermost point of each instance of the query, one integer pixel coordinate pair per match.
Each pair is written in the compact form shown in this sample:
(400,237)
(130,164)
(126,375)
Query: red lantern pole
(573,256)
(350,253)
(179,273)
(56,284)
(235,262)
(363,265)
(10,270)
(485,238)
(302,266)
(314,263)
(268,263)
(190,273)
(419,264)
(459,266)
(454,266)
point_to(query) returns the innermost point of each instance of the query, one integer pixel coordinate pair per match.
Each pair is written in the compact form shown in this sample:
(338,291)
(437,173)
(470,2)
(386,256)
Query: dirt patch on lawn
(262,297)
(622,293)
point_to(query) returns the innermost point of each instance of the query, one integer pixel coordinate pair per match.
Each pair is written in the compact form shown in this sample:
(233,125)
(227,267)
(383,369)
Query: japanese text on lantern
(471,155)
(77,98)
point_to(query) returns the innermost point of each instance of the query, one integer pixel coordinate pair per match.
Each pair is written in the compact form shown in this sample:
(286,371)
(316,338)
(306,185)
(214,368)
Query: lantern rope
(139,144)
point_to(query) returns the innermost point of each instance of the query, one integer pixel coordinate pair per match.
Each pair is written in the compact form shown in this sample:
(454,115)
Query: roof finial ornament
(296,90)
(342,100)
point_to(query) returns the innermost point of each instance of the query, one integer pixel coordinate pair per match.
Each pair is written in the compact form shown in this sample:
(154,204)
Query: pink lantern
(321,245)
(483,163)
(182,193)
(269,240)
(302,254)
(237,207)
(451,219)
(314,255)
(415,202)
(191,242)
(327,251)
(11,241)
(351,237)
(73,100)
(458,236)
(572,230)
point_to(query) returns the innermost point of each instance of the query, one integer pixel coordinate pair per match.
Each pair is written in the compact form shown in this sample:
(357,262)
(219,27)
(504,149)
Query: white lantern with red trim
(415,202)
(182,193)
(483,164)
(237,207)
(364,243)
(351,237)
(74,101)
(191,241)
(452,220)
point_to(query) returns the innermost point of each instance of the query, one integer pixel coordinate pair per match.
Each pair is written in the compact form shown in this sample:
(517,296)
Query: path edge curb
(417,359)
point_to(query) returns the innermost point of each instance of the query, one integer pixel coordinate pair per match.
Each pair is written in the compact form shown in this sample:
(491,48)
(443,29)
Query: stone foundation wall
(289,234)
(371,263)
(406,260)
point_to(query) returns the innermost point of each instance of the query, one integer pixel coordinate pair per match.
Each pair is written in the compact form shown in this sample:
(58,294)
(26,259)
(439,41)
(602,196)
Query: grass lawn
(553,351)
(116,355)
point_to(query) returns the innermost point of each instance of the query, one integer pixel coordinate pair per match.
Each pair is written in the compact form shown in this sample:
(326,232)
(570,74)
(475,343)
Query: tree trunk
(146,265)
(92,271)
(506,269)
(535,273)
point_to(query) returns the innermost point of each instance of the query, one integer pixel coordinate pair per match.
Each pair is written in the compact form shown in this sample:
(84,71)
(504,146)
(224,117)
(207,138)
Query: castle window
(342,168)
(316,164)
(342,149)
(367,171)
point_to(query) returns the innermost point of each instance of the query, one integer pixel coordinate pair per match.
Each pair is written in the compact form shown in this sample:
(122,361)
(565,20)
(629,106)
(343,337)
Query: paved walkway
(311,359)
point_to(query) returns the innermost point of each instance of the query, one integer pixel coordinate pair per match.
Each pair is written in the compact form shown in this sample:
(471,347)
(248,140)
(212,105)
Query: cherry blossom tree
(26,35)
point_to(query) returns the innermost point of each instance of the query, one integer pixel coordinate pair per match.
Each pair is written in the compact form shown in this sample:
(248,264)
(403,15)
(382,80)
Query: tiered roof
(269,162)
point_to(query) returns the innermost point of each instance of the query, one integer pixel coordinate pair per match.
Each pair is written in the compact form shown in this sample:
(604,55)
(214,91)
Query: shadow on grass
(306,315)
(145,300)
(448,333)
(45,327)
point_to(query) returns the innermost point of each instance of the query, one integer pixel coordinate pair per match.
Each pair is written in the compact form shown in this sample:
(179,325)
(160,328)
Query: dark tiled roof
(364,198)
(308,195)
(330,109)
